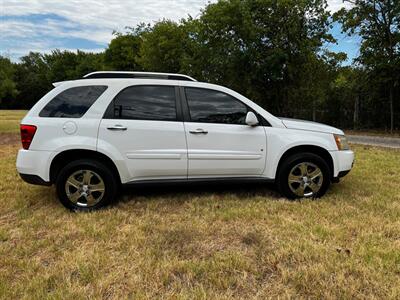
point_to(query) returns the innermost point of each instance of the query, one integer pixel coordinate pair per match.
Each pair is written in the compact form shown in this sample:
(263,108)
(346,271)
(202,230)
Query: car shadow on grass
(186,191)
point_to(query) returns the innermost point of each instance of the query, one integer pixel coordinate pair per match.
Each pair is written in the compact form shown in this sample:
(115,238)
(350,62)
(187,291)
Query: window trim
(186,111)
(74,87)
(109,115)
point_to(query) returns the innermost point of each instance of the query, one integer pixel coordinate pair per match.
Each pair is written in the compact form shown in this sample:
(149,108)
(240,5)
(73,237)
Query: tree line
(272,51)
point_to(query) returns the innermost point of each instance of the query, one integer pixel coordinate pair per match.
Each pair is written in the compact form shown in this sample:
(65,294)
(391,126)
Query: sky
(45,25)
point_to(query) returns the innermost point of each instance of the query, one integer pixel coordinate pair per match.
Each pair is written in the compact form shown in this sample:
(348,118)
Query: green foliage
(32,78)
(272,51)
(66,65)
(259,47)
(7,76)
(36,72)
(123,52)
(163,47)
(377,22)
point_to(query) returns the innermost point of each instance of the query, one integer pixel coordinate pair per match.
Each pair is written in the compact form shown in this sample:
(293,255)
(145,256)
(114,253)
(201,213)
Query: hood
(310,126)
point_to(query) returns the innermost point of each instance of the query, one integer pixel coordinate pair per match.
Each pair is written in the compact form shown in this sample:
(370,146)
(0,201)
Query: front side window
(145,102)
(210,106)
(73,102)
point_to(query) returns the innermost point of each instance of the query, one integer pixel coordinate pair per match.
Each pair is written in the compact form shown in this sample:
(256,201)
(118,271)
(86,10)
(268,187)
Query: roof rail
(127,74)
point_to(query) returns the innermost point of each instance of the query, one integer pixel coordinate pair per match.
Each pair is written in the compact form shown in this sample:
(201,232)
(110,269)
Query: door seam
(187,151)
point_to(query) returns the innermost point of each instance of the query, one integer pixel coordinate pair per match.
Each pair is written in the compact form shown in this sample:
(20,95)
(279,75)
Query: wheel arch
(70,155)
(323,153)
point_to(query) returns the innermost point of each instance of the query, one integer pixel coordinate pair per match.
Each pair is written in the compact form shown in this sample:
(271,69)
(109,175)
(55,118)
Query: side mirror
(251,119)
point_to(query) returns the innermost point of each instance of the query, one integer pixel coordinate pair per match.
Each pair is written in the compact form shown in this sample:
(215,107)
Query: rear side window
(73,102)
(210,106)
(144,102)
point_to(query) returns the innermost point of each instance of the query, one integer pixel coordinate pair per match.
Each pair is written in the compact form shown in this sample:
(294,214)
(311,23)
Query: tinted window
(210,106)
(73,102)
(145,102)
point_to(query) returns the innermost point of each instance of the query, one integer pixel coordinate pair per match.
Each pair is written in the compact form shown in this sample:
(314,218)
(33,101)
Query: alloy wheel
(85,188)
(305,179)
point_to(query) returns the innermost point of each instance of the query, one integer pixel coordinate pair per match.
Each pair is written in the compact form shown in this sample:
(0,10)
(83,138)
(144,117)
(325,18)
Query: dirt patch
(9,138)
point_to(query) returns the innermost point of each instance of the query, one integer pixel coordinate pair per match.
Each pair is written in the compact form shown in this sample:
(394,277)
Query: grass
(10,120)
(220,242)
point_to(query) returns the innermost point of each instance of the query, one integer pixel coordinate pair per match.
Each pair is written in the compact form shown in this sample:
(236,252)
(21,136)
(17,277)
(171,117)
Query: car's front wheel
(86,185)
(303,175)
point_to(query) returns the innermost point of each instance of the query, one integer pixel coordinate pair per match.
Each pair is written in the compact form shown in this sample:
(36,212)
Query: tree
(259,48)
(123,52)
(89,62)
(377,22)
(32,78)
(36,72)
(8,88)
(163,47)
(61,65)
(67,65)
(272,51)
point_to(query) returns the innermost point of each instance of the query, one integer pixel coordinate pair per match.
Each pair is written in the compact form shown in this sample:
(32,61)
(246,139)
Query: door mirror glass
(251,119)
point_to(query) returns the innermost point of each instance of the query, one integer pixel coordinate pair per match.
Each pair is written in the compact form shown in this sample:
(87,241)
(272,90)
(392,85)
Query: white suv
(92,135)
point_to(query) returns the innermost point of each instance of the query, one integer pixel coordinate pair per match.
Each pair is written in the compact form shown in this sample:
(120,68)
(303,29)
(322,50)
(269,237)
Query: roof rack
(145,75)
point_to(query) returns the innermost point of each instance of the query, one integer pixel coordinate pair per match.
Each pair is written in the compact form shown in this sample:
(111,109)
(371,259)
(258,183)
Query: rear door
(220,144)
(144,125)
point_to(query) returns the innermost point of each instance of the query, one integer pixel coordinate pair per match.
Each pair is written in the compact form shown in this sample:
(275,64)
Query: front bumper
(343,162)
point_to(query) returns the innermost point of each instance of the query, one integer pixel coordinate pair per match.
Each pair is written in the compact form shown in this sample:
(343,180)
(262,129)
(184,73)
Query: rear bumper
(34,179)
(34,164)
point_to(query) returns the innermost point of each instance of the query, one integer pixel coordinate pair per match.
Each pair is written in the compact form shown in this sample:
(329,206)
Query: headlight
(341,142)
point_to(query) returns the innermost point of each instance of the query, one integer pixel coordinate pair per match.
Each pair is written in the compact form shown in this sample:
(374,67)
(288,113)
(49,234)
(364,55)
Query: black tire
(290,162)
(101,170)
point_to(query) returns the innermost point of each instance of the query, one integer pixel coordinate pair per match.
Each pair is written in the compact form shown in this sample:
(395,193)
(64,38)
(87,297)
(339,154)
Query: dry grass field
(10,119)
(204,242)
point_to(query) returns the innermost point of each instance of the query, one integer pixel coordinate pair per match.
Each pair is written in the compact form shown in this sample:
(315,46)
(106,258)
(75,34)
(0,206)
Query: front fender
(280,140)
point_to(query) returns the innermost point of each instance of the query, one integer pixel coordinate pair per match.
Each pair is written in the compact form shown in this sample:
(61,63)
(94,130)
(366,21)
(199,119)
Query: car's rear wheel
(303,175)
(86,185)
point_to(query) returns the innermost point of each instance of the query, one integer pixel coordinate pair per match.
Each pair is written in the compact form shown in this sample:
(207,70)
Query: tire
(86,185)
(304,180)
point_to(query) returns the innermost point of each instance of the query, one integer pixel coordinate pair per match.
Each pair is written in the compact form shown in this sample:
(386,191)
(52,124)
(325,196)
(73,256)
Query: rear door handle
(198,131)
(117,127)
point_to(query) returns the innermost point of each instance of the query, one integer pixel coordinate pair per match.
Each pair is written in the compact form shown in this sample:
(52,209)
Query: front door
(219,142)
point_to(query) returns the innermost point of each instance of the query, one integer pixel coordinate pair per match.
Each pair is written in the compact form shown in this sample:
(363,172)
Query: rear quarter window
(73,102)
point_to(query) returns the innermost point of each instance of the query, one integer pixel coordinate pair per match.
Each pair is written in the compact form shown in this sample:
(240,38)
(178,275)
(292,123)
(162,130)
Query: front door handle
(198,131)
(117,127)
